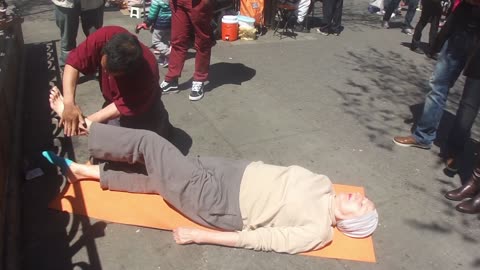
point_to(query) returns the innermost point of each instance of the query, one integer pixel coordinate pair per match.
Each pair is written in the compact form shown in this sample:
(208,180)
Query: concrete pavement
(330,104)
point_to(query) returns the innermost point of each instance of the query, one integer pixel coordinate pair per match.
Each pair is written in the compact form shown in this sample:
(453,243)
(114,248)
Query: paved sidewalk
(330,104)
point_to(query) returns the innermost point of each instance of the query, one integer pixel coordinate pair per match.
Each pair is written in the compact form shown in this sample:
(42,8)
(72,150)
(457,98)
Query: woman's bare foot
(83,172)
(56,104)
(72,170)
(56,100)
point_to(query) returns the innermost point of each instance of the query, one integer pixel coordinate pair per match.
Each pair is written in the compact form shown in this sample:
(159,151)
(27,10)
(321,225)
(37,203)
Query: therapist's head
(356,215)
(121,54)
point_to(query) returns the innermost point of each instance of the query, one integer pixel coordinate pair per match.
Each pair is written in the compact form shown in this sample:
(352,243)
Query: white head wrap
(359,227)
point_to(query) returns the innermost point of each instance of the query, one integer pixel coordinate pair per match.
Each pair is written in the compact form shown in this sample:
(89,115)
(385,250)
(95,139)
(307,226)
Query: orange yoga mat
(147,210)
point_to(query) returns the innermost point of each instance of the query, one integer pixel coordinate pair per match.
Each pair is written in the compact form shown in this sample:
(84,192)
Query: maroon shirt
(133,93)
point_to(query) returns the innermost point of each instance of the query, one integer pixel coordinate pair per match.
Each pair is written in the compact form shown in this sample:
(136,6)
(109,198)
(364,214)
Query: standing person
(431,12)
(190,16)
(461,31)
(467,110)
(67,16)
(159,18)
(128,80)
(332,17)
(407,25)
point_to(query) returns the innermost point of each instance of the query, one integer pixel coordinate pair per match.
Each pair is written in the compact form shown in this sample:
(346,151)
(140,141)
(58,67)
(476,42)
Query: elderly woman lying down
(256,205)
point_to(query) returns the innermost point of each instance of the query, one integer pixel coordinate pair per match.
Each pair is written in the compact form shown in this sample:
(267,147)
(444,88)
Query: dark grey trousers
(205,190)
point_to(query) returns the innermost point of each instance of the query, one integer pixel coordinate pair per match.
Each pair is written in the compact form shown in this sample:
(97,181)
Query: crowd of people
(129,136)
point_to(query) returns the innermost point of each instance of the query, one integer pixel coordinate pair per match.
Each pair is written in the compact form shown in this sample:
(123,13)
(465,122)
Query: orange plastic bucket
(229,28)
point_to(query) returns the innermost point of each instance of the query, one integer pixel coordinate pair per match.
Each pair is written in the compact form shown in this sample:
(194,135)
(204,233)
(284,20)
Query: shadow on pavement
(389,83)
(228,73)
(50,238)
(181,140)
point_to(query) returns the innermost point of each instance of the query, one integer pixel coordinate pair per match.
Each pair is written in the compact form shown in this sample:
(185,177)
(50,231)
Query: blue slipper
(61,162)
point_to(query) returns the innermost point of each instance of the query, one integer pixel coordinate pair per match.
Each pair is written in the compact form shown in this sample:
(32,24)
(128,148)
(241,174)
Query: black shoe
(169,86)
(324,32)
(414,45)
(416,49)
(298,28)
(431,55)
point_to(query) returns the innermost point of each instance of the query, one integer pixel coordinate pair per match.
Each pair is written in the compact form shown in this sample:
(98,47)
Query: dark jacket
(466,17)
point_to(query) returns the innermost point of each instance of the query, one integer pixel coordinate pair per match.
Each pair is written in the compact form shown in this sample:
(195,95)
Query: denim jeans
(466,114)
(449,66)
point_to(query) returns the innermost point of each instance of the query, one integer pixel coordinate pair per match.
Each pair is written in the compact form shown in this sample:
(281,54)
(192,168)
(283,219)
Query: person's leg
(448,68)
(422,22)
(436,14)
(72,170)
(302,10)
(471,189)
(389,8)
(181,26)
(67,20)
(92,20)
(161,41)
(466,113)
(328,8)
(201,15)
(124,180)
(184,182)
(412,8)
(336,27)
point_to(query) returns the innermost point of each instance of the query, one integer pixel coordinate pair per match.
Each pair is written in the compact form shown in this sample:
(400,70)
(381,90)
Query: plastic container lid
(246,19)
(230,19)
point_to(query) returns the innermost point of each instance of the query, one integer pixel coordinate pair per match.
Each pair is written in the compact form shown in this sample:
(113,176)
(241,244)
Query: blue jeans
(449,66)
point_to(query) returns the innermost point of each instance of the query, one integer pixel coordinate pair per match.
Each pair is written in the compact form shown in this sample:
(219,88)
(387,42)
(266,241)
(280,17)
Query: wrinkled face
(352,205)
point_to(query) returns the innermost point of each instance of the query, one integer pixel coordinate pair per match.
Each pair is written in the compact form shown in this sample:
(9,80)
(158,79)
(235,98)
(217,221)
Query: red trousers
(190,17)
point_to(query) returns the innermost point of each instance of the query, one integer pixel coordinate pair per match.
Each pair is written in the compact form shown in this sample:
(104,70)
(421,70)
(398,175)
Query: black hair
(123,52)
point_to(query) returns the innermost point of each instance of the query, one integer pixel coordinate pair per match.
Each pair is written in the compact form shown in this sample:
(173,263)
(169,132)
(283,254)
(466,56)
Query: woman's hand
(184,235)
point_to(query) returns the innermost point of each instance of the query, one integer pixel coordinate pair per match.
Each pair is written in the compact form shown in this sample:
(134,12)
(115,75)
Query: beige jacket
(285,209)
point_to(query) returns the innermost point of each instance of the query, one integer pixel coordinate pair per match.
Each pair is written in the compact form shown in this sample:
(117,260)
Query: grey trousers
(68,21)
(154,119)
(205,190)
(161,41)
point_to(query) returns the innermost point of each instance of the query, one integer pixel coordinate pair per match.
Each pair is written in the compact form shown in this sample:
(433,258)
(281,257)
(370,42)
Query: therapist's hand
(72,119)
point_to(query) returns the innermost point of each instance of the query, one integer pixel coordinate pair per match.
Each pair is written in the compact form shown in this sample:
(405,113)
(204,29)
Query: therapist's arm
(105,114)
(72,117)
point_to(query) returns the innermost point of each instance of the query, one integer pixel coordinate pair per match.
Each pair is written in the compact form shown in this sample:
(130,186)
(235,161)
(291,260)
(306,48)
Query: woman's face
(352,205)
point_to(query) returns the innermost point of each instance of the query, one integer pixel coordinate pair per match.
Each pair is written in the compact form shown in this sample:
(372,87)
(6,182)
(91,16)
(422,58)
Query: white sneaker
(197,91)
(408,31)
